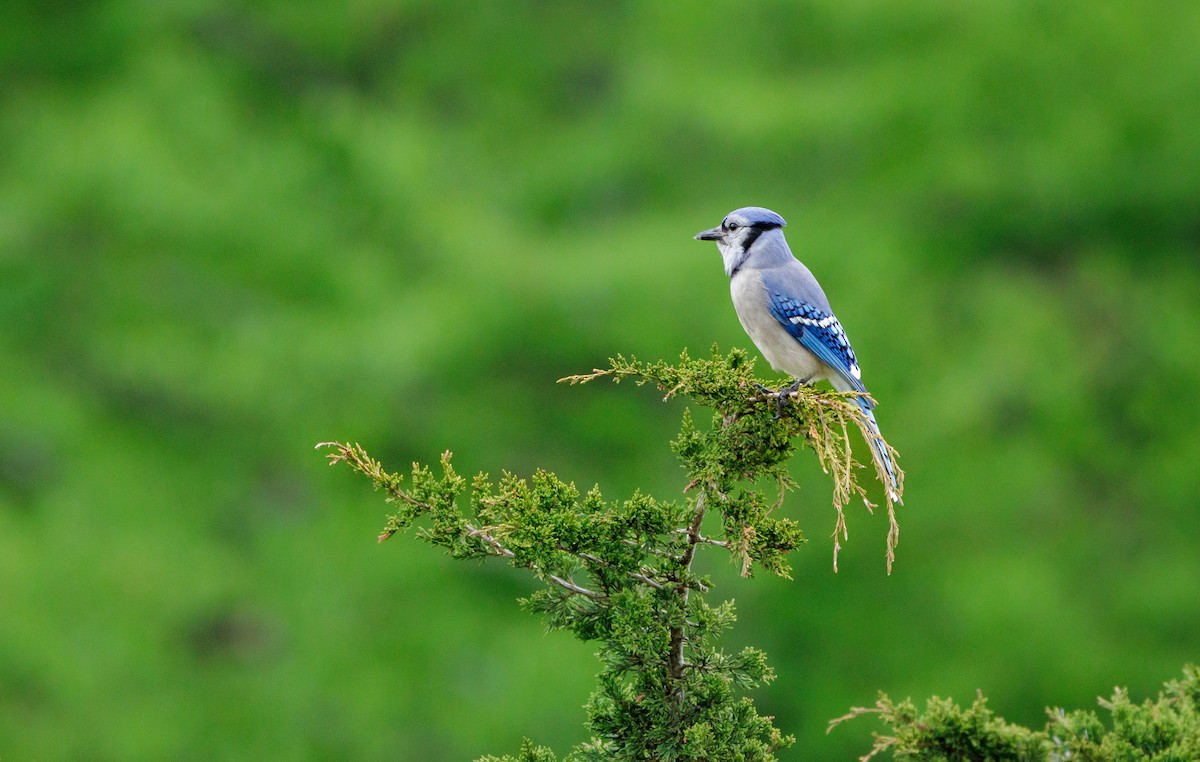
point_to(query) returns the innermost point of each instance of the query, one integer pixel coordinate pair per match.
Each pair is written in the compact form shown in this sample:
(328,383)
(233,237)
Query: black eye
(731,226)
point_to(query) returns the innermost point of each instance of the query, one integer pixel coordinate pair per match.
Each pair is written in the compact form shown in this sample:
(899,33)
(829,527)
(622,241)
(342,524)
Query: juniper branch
(822,417)
(678,631)
(622,573)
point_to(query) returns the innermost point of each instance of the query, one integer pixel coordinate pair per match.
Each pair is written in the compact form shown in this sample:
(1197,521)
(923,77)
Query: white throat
(733,255)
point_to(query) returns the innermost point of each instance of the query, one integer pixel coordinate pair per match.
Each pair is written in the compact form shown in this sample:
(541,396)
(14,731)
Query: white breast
(783,352)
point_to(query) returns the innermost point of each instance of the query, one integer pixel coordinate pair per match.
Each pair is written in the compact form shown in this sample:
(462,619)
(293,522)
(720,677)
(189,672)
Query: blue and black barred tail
(880,450)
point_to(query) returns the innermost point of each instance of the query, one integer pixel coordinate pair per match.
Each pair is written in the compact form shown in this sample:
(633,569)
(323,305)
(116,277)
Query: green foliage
(1164,730)
(529,753)
(621,572)
(228,229)
(750,447)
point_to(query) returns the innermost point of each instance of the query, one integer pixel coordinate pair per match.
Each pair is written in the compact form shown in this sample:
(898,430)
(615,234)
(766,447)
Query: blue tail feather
(879,448)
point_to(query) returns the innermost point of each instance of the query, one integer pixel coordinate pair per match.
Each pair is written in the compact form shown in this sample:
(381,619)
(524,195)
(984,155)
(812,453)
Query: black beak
(709,235)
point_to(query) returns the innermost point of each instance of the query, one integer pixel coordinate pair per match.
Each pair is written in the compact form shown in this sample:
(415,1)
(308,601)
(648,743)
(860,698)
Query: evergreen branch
(666,691)
(500,550)
(651,550)
(572,587)
(638,575)
(693,532)
(678,631)
(1165,728)
(882,743)
(705,540)
(727,384)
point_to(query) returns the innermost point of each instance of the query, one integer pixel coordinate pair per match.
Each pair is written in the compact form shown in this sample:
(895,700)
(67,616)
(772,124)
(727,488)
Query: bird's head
(739,231)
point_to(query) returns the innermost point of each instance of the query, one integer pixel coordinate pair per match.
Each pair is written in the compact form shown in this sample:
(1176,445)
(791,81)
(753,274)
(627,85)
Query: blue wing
(820,333)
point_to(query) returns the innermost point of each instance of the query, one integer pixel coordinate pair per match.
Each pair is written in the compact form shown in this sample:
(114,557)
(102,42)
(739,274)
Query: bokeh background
(231,230)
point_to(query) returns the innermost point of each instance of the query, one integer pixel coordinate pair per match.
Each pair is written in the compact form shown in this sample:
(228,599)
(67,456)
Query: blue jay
(786,314)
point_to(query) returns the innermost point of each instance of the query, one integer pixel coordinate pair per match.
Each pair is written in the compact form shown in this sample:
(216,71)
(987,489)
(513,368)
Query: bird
(787,315)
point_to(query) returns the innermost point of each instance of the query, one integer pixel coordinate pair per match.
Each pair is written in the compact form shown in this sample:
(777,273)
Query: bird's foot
(768,393)
(784,398)
(784,395)
(793,387)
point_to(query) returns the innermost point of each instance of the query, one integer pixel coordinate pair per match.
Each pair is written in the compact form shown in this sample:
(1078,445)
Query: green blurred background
(231,230)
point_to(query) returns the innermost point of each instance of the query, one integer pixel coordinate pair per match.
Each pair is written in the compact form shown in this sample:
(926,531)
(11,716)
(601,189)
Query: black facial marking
(752,236)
